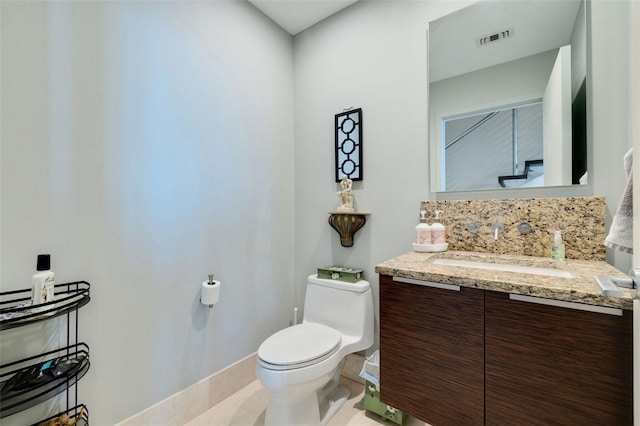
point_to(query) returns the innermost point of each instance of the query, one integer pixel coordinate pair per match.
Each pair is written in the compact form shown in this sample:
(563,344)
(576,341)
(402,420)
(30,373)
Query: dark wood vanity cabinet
(432,352)
(472,357)
(556,365)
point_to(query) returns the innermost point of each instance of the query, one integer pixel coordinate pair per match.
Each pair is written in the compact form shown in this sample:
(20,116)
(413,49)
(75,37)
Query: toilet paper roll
(210,294)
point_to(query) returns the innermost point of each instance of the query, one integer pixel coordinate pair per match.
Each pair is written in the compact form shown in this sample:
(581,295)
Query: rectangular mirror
(507,96)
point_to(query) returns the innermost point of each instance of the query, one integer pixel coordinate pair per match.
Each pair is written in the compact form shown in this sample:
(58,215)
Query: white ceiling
(298,15)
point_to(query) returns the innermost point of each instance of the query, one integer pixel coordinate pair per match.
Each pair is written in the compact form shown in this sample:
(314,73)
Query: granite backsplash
(581,220)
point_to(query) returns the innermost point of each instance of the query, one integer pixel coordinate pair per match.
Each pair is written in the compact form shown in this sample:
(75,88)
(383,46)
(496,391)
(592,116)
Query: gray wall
(610,128)
(371,55)
(145,145)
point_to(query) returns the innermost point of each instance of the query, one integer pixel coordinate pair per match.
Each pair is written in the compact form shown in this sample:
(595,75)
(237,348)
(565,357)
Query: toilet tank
(347,307)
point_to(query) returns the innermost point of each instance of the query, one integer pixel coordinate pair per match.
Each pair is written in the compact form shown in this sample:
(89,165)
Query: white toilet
(301,365)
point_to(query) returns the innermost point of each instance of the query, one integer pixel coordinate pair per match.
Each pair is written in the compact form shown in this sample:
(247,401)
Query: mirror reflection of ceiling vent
(493,37)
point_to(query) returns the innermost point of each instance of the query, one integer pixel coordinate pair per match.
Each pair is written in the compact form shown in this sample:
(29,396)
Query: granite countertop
(581,288)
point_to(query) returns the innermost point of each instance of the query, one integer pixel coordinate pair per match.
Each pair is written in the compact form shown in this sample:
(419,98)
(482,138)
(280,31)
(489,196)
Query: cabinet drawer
(556,365)
(432,352)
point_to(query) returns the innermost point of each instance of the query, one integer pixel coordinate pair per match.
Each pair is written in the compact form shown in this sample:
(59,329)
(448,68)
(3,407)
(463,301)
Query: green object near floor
(341,274)
(372,403)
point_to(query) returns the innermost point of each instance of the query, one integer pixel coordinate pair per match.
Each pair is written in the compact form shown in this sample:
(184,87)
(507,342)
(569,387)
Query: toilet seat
(299,346)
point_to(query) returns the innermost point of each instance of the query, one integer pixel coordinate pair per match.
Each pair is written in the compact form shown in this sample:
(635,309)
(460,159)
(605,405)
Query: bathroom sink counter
(581,288)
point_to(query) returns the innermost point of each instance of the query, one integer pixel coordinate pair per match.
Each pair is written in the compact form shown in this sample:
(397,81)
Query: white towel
(621,233)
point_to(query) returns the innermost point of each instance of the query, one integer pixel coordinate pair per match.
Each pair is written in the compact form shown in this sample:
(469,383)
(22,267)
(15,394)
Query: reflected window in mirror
(506,144)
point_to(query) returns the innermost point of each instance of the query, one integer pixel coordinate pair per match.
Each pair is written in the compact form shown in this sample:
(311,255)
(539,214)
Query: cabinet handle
(570,305)
(427,283)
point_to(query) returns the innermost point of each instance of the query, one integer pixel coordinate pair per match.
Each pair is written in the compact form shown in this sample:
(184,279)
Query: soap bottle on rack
(438,230)
(42,290)
(557,248)
(423,230)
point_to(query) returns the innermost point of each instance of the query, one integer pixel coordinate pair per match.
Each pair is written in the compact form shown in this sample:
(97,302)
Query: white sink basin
(522,269)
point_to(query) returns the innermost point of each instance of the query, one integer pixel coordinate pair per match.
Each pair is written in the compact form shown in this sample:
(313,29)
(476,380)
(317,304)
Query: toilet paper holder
(210,292)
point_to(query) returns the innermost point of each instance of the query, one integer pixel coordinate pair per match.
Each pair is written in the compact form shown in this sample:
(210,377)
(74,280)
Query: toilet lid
(298,346)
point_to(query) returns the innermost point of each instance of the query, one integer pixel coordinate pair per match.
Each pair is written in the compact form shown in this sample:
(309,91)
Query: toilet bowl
(301,365)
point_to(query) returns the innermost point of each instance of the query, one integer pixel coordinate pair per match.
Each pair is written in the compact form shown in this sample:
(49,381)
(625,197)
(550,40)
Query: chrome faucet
(496,228)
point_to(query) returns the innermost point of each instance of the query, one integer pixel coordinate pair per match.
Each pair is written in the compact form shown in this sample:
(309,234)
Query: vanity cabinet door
(432,352)
(550,365)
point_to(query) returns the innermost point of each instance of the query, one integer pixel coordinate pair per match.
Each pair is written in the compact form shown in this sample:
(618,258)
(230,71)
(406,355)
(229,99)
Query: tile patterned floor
(247,408)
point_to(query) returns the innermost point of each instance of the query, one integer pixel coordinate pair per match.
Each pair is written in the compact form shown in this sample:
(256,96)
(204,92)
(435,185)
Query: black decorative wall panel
(349,144)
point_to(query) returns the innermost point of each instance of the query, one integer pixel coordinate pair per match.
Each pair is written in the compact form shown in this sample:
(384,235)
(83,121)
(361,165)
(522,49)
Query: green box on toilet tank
(340,274)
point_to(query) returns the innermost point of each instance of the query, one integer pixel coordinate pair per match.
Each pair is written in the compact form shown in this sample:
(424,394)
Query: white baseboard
(353,366)
(189,403)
